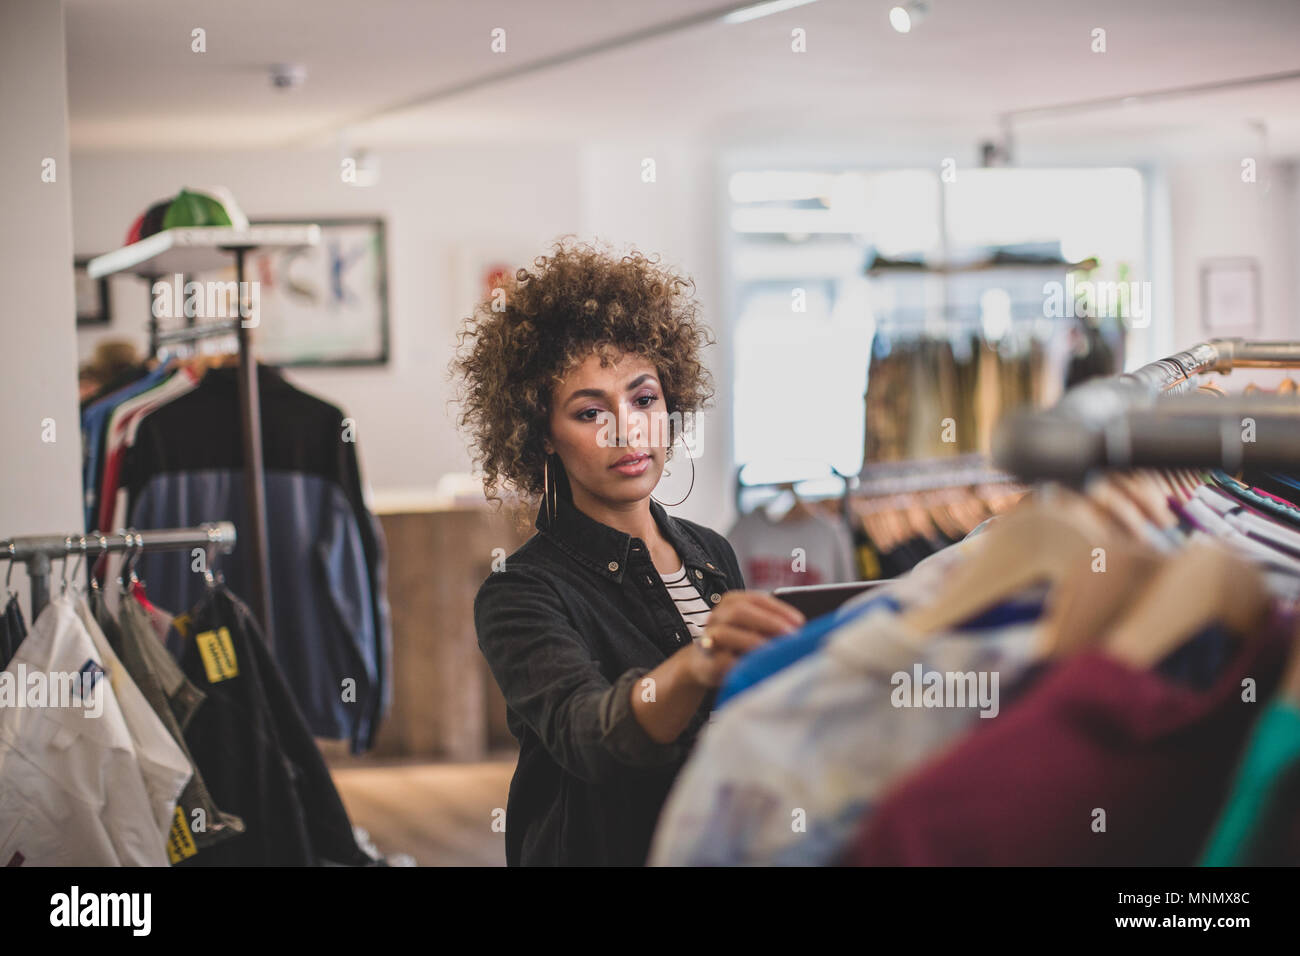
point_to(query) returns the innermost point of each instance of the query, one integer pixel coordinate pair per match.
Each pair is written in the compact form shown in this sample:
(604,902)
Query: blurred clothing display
(1000,703)
(147,464)
(798,549)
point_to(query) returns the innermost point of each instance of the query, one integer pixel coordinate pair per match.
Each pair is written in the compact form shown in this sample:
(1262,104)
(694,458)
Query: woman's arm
(665,699)
(546,672)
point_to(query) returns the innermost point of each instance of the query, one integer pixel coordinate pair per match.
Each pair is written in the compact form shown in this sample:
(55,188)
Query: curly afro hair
(579,300)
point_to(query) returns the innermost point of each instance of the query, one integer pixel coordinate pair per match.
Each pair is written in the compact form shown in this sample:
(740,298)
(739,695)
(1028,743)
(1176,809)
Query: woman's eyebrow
(597,393)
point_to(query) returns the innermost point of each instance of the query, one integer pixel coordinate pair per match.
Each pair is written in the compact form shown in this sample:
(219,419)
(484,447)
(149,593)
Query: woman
(610,630)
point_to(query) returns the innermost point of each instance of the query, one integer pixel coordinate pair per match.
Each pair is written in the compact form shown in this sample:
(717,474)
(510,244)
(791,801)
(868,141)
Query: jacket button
(715,598)
(613,565)
(699,574)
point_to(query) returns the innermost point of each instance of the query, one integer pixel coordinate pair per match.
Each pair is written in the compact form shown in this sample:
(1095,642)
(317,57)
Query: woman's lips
(633,468)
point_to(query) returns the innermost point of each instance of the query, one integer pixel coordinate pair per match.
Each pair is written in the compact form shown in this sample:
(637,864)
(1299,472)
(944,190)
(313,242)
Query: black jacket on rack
(255,750)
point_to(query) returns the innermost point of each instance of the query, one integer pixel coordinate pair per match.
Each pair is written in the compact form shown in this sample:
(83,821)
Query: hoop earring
(546,491)
(688,490)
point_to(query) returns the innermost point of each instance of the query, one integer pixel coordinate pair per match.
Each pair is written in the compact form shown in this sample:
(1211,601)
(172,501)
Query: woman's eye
(582,416)
(649,400)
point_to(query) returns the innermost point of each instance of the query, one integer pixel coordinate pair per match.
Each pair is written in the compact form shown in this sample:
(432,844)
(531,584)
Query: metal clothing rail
(930,474)
(250,419)
(1152,418)
(36,551)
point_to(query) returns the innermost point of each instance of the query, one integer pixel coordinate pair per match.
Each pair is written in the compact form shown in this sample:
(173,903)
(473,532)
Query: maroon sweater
(1093,735)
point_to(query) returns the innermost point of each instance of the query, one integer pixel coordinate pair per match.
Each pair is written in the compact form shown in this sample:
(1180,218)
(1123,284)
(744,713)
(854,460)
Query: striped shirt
(693,609)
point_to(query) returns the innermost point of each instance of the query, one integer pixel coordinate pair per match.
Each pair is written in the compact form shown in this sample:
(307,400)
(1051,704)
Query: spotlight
(908,15)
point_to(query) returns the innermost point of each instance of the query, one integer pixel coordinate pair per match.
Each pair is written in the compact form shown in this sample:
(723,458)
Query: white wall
(1216,215)
(40,481)
(675,216)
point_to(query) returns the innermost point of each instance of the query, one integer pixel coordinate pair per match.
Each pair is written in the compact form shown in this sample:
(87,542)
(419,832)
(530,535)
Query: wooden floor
(440,814)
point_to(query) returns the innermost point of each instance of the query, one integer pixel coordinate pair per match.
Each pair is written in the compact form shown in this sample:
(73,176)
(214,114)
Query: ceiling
(371,67)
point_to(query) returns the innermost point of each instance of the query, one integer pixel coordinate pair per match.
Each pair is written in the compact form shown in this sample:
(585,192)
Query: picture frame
(1230,296)
(324,305)
(92,299)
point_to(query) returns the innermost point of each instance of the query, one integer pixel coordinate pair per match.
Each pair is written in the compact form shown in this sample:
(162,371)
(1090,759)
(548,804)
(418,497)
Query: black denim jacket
(574,618)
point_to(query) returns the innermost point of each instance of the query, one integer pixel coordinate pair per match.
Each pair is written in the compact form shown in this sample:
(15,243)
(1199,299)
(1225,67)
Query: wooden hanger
(1203,584)
(1117,503)
(1043,541)
(1147,495)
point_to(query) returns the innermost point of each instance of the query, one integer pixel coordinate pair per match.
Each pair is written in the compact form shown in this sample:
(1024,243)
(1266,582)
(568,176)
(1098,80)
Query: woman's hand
(740,622)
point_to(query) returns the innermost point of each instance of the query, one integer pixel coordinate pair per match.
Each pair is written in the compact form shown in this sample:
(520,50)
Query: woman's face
(602,416)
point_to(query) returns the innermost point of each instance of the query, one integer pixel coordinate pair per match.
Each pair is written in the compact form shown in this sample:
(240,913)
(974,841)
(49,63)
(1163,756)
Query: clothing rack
(194,251)
(902,477)
(1134,421)
(36,551)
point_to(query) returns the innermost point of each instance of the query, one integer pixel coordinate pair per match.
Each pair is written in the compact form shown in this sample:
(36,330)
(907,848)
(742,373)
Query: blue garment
(1288,513)
(93,422)
(781,652)
(324,633)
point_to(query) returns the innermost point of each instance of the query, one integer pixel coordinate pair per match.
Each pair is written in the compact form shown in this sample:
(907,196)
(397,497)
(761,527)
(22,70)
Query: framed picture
(325,304)
(91,294)
(1230,296)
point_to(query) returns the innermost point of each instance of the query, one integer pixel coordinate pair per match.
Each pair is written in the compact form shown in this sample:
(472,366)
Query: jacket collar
(605,550)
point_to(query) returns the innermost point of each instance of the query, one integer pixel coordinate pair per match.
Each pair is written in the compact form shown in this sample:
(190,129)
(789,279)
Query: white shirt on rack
(71,788)
(164,766)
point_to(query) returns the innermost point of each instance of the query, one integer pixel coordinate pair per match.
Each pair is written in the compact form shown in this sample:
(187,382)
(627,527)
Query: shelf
(196,250)
(900,270)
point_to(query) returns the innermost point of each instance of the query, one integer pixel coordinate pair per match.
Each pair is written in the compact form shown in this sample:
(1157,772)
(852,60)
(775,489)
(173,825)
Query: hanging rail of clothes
(37,551)
(198,756)
(1107,674)
(192,250)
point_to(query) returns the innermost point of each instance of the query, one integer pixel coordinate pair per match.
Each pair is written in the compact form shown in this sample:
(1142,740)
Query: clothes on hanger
(934,393)
(198,823)
(813,754)
(812,550)
(13,629)
(785,776)
(1257,824)
(163,764)
(174,457)
(73,788)
(94,422)
(1100,764)
(256,749)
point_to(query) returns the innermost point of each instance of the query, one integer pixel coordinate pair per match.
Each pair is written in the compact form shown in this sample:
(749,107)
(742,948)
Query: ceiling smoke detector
(288,76)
